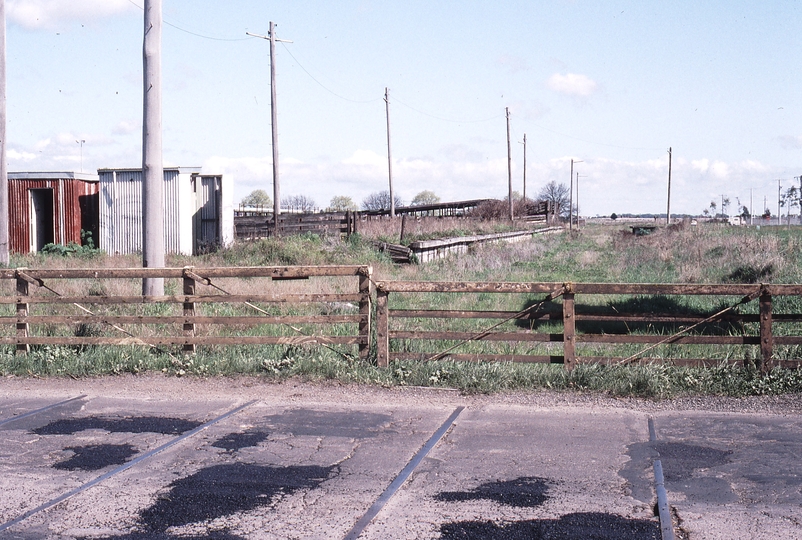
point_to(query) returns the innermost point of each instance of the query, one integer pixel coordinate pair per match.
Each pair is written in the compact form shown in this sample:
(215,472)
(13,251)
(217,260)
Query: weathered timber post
(22,312)
(569,328)
(189,310)
(766,337)
(365,289)
(382,328)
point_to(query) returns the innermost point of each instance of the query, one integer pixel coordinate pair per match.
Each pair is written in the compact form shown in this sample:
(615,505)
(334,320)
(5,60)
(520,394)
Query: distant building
(51,208)
(198,210)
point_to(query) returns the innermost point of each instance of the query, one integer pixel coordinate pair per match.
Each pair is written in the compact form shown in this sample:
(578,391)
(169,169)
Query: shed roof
(181,170)
(53,175)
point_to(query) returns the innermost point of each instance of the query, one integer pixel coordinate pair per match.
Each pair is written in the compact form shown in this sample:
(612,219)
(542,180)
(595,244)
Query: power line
(323,86)
(191,32)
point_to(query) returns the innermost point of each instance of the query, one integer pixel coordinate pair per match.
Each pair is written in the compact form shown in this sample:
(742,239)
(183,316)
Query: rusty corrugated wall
(75,203)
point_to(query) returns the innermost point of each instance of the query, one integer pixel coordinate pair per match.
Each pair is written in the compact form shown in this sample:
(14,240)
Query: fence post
(766,337)
(569,328)
(189,311)
(382,328)
(22,311)
(365,289)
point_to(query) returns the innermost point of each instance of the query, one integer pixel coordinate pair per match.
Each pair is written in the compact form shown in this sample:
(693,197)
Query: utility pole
(779,196)
(81,144)
(4,257)
(668,205)
(571,198)
(271,36)
(751,211)
(509,165)
(578,176)
(152,166)
(389,155)
(524,143)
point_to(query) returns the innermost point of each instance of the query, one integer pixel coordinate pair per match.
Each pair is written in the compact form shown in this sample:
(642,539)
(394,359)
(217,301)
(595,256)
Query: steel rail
(43,409)
(663,509)
(121,468)
(365,520)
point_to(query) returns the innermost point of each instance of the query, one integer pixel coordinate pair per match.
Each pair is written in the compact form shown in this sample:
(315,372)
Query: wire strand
(191,32)
(323,86)
(395,99)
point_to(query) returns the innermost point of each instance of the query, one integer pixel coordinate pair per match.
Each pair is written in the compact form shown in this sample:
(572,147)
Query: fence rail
(567,323)
(591,323)
(63,318)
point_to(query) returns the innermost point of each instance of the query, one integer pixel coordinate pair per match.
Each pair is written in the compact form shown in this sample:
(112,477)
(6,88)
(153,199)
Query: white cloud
(701,164)
(14,155)
(36,14)
(572,84)
(365,157)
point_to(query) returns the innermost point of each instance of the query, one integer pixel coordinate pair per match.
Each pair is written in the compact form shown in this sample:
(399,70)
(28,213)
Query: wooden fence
(331,306)
(47,310)
(252,225)
(592,323)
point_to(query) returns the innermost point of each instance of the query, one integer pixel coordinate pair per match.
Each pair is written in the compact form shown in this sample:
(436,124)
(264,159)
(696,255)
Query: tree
(425,197)
(790,199)
(341,203)
(744,213)
(257,197)
(613,216)
(557,195)
(379,201)
(298,203)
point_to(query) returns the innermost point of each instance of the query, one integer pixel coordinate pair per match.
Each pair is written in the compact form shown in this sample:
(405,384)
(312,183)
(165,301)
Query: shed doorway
(42,230)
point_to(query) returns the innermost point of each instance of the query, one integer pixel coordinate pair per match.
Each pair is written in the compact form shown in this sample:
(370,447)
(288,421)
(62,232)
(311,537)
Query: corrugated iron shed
(198,210)
(51,207)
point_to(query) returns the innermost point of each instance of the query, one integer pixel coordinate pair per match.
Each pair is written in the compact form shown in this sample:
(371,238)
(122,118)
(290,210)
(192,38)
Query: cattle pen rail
(51,307)
(625,324)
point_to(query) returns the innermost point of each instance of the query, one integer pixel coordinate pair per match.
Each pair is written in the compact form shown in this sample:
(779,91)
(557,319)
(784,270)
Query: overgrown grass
(650,381)
(703,254)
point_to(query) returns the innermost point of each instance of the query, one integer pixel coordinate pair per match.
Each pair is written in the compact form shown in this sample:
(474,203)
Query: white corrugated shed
(121,210)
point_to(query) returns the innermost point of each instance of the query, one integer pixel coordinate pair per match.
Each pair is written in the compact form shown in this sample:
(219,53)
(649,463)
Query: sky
(611,84)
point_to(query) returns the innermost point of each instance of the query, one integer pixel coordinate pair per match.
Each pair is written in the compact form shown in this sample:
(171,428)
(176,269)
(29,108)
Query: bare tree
(557,195)
(298,203)
(380,201)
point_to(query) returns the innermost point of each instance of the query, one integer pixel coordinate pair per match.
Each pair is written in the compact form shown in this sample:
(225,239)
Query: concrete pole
(152,166)
(4,221)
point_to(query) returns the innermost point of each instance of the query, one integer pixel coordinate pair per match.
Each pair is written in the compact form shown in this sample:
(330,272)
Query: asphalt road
(305,461)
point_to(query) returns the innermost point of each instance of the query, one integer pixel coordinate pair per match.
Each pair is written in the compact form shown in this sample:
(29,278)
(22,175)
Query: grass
(703,254)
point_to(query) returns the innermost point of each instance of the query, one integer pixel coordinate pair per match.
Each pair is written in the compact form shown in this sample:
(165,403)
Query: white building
(198,210)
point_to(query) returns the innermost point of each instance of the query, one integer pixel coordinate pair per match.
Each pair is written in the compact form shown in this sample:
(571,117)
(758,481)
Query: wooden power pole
(668,204)
(271,37)
(509,166)
(152,167)
(524,168)
(389,155)
(4,256)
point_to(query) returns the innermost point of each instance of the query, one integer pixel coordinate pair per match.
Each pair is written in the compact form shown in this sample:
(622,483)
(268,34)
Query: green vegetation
(701,254)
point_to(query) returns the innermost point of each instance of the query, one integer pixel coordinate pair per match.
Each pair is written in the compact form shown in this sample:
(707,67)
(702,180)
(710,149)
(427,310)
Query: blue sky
(611,83)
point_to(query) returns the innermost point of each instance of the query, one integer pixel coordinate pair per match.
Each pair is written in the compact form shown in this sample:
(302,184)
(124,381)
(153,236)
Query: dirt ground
(306,460)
